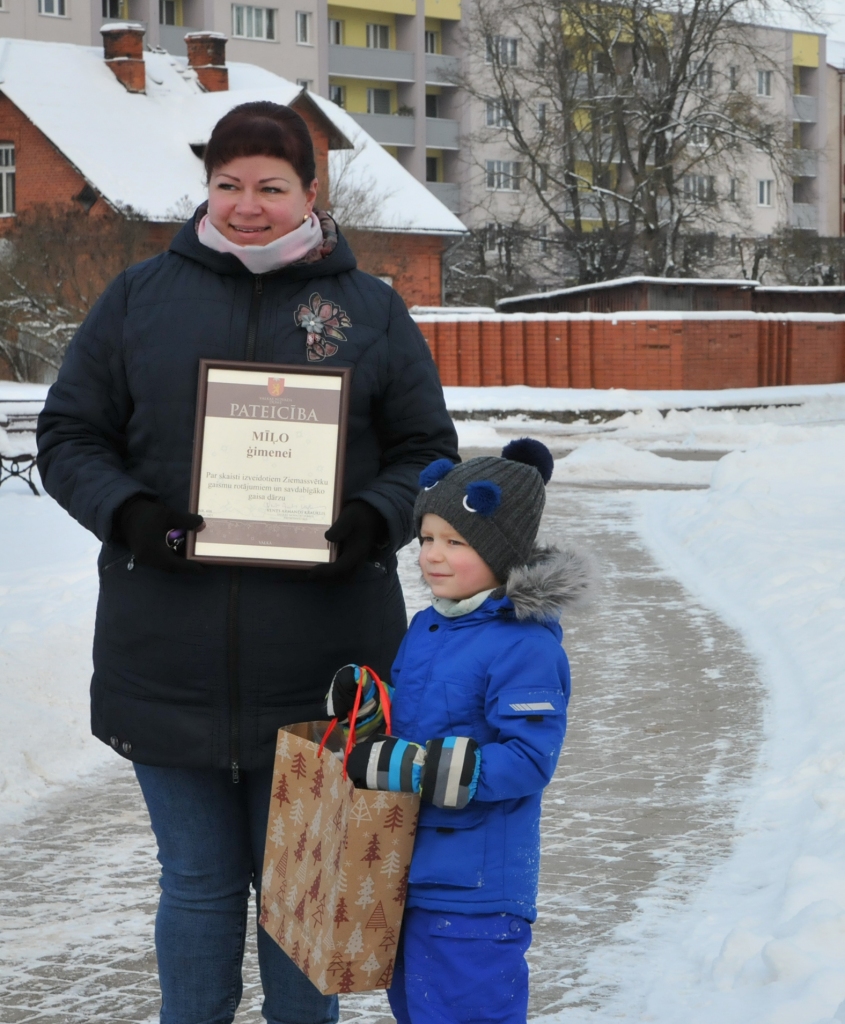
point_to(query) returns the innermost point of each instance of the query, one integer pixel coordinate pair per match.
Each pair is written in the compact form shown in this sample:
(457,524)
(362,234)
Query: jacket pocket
(112,558)
(450,848)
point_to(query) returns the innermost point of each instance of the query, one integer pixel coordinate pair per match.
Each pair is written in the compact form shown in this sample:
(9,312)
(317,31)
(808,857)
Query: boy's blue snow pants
(461,969)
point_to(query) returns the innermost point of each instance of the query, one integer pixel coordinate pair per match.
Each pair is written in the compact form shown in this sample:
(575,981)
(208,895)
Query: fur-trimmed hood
(554,579)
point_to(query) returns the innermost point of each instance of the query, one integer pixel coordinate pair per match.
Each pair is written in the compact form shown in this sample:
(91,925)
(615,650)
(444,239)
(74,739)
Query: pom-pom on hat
(494,503)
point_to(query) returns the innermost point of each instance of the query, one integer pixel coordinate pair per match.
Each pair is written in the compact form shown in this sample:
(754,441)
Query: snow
(763,942)
(134,148)
(756,536)
(618,282)
(612,461)
(521,397)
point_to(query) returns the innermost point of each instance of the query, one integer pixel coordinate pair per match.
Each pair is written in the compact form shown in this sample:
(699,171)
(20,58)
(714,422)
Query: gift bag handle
(350,741)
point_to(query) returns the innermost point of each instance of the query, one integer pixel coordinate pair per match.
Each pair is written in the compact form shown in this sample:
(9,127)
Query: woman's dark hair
(262,129)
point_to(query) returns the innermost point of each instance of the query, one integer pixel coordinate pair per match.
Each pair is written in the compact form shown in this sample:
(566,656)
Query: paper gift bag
(336,867)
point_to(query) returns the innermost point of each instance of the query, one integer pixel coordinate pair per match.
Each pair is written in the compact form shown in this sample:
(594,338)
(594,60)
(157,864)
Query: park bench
(17,457)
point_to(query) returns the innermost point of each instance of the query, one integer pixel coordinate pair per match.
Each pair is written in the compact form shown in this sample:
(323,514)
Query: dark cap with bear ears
(495,504)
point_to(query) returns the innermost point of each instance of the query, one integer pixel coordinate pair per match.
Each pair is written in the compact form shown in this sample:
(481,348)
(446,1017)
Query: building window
(7,179)
(492,236)
(337,94)
(543,239)
(303,28)
(764,192)
(503,175)
(335,32)
(733,191)
(733,77)
(432,42)
(52,8)
(432,168)
(253,22)
(700,135)
(169,11)
(118,10)
(497,116)
(699,188)
(378,37)
(543,177)
(503,49)
(704,78)
(542,113)
(432,106)
(378,101)
(764,83)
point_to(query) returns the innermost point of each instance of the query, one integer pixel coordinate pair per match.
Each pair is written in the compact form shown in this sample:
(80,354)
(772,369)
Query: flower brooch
(322,320)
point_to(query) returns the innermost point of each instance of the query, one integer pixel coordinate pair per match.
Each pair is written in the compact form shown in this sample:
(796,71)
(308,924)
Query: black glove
(358,529)
(143,524)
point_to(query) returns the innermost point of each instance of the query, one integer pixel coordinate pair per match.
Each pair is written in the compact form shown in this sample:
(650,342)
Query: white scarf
(451,609)
(262,259)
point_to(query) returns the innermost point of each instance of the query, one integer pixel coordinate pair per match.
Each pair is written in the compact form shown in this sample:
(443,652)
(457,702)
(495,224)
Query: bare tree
(628,122)
(54,265)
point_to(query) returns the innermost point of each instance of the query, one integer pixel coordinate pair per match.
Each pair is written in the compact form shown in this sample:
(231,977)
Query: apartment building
(392,65)
(745,194)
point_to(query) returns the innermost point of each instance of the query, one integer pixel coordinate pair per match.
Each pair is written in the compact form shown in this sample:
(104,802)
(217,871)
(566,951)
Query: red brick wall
(43,176)
(642,354)
(412,261)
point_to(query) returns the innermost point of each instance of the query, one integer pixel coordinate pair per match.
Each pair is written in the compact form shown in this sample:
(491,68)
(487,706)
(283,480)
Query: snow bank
(614,462)
(520,397)
(764,941)
(48,593)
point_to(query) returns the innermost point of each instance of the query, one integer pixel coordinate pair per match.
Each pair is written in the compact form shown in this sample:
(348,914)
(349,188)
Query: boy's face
(449,565)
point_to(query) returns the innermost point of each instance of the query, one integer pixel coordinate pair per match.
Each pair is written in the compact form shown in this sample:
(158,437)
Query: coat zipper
(233,649)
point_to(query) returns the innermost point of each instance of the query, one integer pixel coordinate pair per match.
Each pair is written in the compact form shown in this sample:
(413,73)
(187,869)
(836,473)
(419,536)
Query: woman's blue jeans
(210,834)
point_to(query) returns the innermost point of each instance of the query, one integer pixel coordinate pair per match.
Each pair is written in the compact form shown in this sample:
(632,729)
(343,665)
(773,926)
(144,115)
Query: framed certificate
(267,473)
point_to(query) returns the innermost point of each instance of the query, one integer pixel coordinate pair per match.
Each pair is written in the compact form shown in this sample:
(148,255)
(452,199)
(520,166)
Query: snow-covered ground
(757,535)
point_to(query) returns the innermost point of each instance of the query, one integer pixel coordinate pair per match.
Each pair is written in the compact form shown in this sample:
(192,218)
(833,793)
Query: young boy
(479,712)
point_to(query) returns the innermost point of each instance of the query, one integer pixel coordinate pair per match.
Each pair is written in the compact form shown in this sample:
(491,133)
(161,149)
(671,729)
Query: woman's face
(253,200)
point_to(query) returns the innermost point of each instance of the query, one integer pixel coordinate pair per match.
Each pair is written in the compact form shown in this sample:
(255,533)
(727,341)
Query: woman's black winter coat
(201,670)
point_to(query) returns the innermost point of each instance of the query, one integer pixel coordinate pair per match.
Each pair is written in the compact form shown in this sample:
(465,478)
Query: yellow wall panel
(448,9)
(805,50)
(356,93)
(382,6)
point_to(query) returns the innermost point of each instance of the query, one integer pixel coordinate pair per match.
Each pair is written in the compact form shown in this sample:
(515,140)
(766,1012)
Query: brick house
(121,127)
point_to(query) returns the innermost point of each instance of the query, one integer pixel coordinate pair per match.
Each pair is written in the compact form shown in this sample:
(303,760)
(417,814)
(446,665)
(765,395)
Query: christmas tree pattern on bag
(336,869)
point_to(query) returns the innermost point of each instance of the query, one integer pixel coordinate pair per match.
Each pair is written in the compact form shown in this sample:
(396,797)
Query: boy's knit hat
(495,504)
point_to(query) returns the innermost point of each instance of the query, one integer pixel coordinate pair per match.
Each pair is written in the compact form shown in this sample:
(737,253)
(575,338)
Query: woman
(196,667)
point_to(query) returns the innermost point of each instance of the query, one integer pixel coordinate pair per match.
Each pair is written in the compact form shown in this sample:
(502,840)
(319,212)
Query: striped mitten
(450,775)
(341,699)
(445,773)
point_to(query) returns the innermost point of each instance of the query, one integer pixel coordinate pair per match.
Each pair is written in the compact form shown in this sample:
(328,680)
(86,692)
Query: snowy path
(645,793)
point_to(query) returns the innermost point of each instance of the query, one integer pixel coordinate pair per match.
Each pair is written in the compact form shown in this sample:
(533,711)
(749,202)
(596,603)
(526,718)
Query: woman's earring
(305,218)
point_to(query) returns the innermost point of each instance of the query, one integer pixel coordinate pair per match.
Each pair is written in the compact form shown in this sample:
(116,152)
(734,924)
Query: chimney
(123,43)
(207,56)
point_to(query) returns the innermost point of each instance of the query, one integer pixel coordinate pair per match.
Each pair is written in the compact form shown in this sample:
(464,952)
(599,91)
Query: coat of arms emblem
(276,386)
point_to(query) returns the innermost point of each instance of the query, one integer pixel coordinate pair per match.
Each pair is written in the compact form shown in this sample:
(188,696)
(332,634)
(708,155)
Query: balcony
(441,133)
(388,129)
(805,163)
(441,69)
(805,216)
(377,65)
(804,109)
(447,192)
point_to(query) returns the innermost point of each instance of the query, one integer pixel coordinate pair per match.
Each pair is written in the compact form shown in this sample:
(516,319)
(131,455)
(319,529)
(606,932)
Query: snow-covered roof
(134,148)
(618,281)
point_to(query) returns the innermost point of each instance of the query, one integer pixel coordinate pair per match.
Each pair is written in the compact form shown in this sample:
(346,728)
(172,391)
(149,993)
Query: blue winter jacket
(500,675)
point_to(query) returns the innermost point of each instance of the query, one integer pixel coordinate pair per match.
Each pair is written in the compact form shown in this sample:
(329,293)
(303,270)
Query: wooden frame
(258,399)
